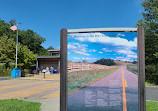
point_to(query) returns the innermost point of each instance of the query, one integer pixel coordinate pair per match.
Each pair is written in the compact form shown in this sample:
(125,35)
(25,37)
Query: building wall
(48,63)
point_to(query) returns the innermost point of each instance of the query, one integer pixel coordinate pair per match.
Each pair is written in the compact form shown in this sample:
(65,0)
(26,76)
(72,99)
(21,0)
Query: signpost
(108,71)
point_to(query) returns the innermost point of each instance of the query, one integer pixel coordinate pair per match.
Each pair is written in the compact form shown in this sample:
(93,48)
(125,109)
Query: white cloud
(117,41)
(125,51)
(119,34)
(132,56)
(124,59)
(89,58)
(76,58)
(100,52)
(128,52)
(106,50)
(92,50)
(78,48)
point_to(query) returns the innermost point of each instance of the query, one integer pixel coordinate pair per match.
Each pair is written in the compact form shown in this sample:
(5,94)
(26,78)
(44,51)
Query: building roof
(55,56)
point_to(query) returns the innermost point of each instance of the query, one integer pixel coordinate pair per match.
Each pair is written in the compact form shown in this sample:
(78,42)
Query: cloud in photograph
(100,52)
(119,34)
(92,50)
(78,48)
(91,60)
(124,59)
(128,52)
(76,58)
(106,50)
(117,41)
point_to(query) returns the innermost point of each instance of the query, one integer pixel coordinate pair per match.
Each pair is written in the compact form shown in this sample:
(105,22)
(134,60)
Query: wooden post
(141,69)
(88,66)
(63,70)
(72,67)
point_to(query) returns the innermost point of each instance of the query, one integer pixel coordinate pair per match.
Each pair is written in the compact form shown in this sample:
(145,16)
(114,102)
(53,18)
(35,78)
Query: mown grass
(80,79)
(18,105)
(133,68)
(151,106)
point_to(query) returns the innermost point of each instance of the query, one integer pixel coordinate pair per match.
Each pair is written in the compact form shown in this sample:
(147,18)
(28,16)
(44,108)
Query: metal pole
(16,47)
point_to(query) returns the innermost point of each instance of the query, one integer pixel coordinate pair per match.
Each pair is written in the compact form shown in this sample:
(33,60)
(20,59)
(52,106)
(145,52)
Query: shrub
(26,71)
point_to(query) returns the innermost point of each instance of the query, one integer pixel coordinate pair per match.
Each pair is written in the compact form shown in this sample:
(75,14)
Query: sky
(110,45)
(48,17)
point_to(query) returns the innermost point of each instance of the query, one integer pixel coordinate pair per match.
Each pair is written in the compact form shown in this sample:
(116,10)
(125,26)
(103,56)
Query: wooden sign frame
(141,61)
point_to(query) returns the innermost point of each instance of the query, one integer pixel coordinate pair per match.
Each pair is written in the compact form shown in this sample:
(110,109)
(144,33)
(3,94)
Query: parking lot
(34,88)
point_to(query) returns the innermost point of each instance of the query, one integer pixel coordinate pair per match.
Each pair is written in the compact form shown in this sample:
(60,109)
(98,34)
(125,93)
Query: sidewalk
(41,77)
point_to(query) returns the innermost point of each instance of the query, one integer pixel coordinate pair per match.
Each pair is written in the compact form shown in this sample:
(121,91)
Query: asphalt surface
(152,93)
(43,91)
(116,92)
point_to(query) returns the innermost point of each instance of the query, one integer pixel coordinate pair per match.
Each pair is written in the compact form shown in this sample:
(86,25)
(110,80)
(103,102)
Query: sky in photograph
(48,17)
(110,45)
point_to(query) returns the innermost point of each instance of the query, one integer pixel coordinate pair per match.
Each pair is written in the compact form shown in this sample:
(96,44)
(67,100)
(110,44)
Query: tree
(84,61)
(103,61)
(150,24)
(50,48)
(8,51)
(28,37)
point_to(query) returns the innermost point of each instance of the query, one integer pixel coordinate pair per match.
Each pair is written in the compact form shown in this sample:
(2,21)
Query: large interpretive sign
(101,70)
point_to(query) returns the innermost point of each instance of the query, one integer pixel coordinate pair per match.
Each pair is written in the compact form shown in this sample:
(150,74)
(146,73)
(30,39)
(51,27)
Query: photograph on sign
(102,72)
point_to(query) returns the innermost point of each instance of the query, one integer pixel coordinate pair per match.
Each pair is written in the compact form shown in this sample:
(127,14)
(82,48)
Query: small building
(48,61)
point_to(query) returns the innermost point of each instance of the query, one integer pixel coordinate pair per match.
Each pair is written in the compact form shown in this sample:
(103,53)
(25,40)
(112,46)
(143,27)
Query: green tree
(103,61)
(8,51)
(26,37)
(50,48)
(150,24)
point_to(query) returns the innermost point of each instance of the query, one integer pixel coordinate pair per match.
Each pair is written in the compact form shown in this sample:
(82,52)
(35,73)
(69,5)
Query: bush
(5,72)
(151,73)
(26,71)
(2,65)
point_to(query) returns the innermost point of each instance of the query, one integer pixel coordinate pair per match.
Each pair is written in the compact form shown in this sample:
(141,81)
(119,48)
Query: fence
(73,66)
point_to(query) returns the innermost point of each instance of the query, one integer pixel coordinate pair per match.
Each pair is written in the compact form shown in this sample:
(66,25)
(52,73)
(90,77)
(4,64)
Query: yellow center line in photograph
(126,83)
(124,92)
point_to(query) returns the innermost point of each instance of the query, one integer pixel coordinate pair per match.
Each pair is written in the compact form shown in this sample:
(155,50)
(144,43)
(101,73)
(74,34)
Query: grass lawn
(19,105)
(151,106)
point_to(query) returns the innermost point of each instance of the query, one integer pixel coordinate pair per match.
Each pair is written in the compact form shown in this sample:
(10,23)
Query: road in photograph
(117,91)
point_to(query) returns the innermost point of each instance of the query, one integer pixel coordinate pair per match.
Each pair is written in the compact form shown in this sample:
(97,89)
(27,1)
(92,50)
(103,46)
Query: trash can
(22,73)
(16,72)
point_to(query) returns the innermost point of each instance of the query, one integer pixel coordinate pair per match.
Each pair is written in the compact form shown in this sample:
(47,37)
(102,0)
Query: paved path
(41,90)
(116,92)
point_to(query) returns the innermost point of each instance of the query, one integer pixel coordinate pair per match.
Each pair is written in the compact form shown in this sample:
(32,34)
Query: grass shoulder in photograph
(80,79)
